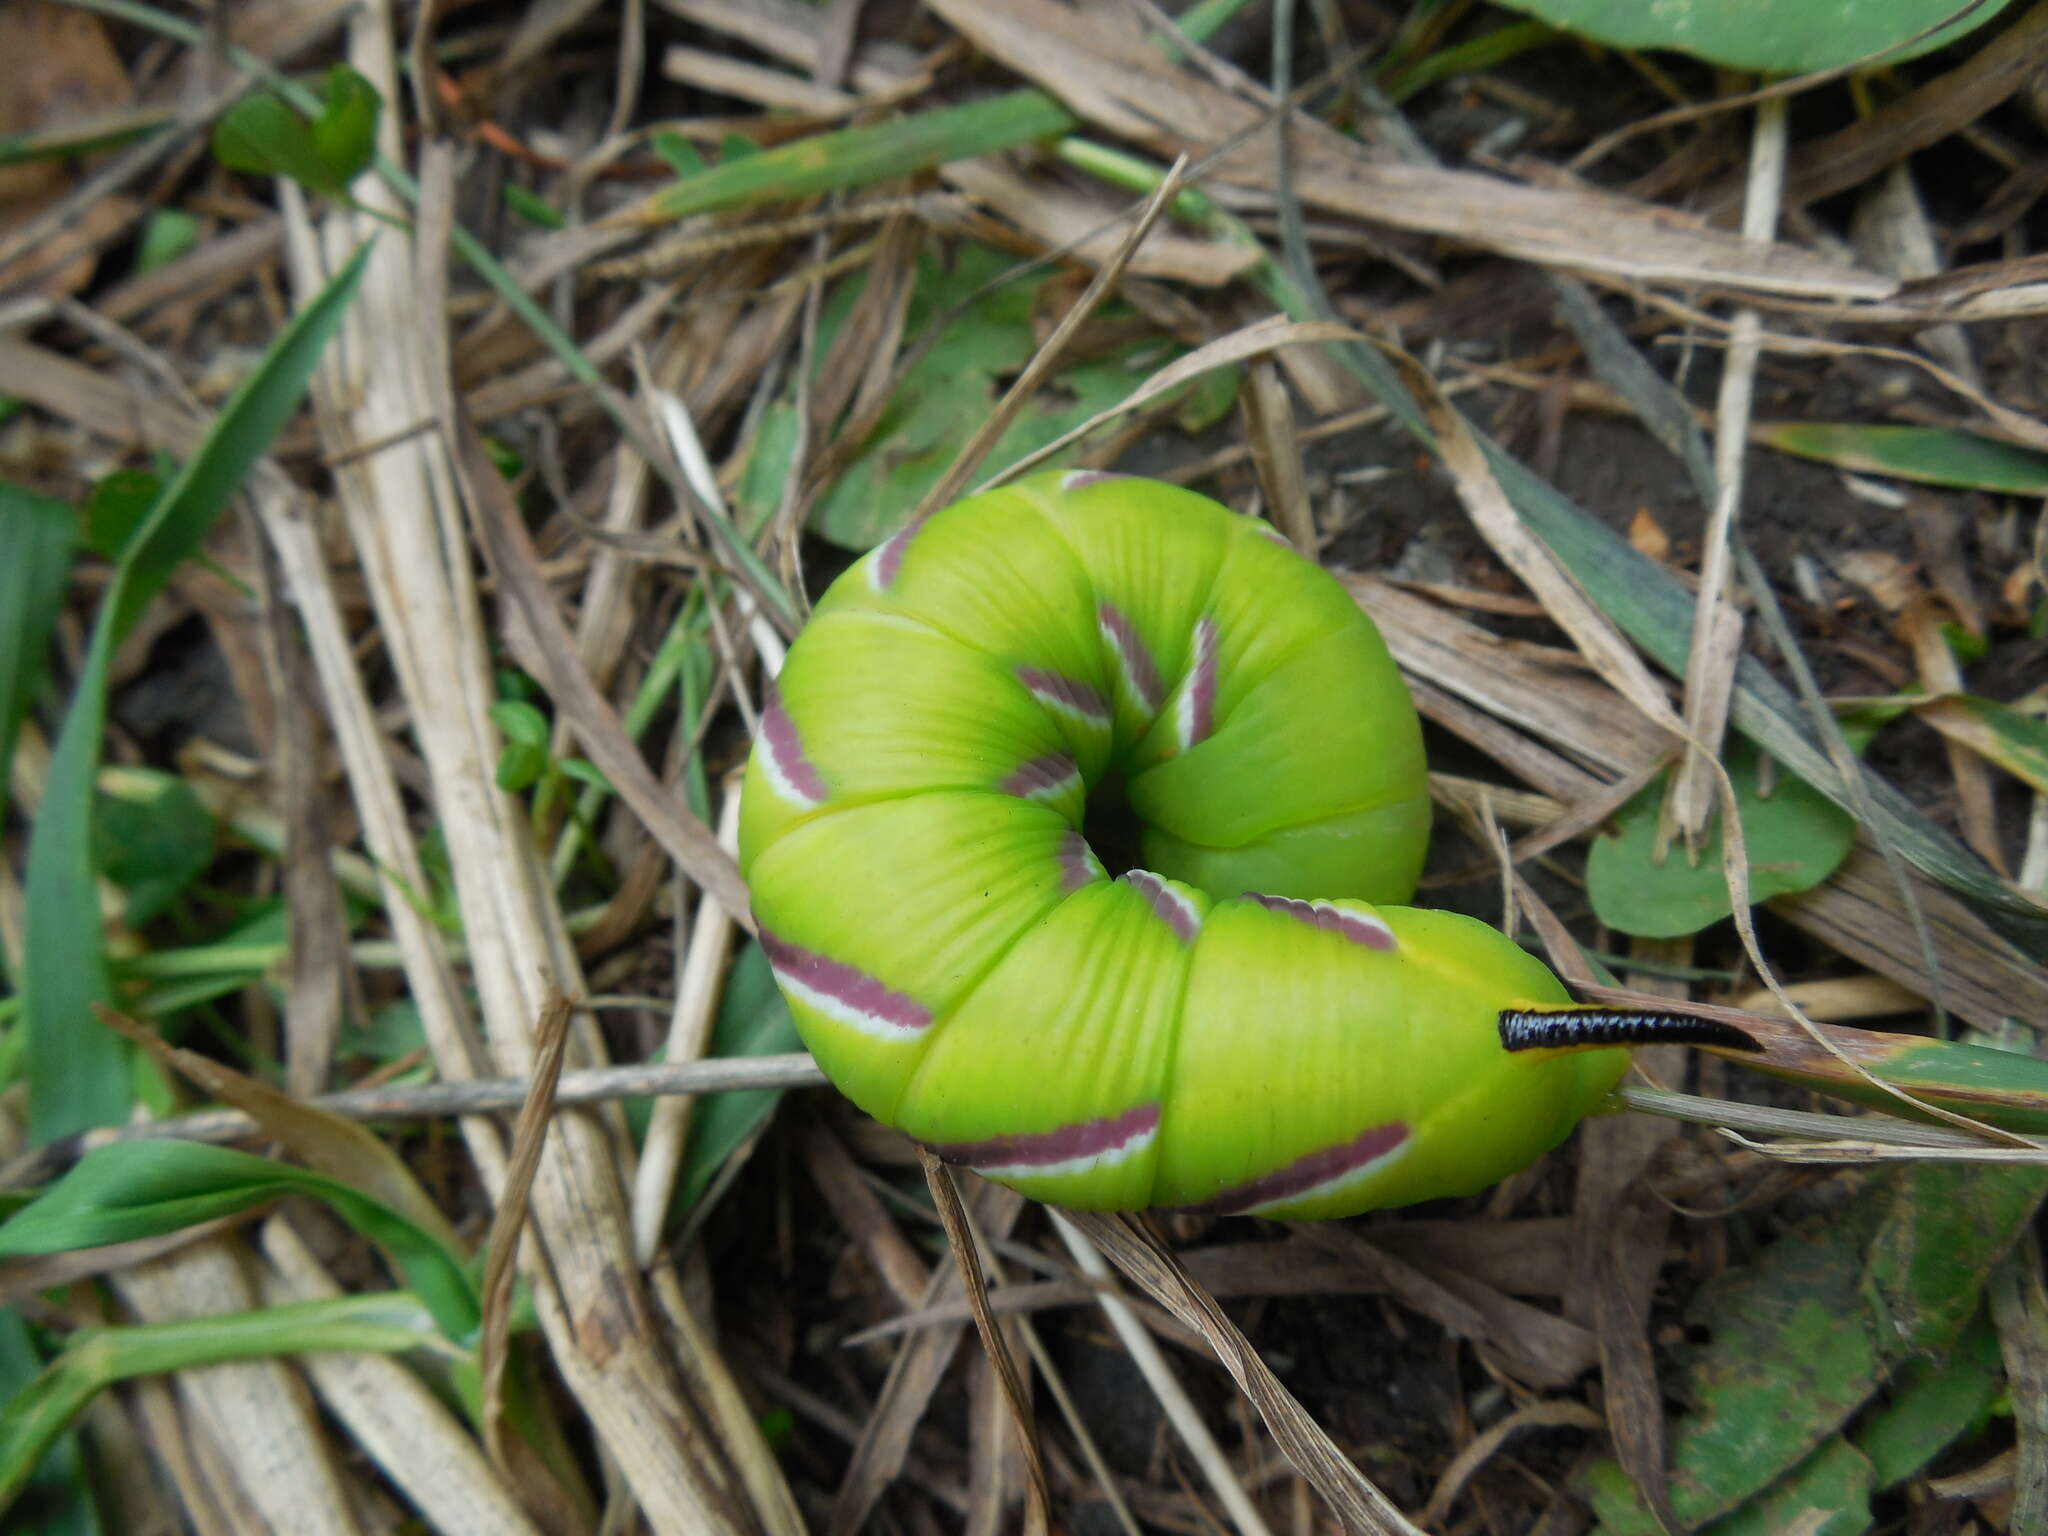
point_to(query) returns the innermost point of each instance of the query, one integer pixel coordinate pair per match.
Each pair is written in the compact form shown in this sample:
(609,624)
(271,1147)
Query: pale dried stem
(689,1036)
(418,1444)
(405,519)
(1717,625)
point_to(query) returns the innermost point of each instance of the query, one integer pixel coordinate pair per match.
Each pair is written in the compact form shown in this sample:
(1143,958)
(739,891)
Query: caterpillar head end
(1588,1029)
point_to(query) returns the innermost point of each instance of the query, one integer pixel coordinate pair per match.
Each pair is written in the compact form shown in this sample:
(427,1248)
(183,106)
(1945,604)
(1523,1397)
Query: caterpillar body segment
(1247,1019)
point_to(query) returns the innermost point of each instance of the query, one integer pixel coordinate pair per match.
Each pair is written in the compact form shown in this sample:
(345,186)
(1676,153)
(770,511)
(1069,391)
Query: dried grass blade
(1254,340)
(501,1254)
(954,480)
(1173,1398)
(1360,1506)
(1113,79)
(884,1445)
(1716,624)
(960,1239)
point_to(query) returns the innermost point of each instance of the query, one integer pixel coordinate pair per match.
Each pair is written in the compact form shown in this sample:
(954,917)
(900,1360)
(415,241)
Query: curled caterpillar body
(1244,1020)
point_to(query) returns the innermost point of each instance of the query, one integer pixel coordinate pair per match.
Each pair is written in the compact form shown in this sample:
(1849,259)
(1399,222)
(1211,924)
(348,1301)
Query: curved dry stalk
(1173,1397)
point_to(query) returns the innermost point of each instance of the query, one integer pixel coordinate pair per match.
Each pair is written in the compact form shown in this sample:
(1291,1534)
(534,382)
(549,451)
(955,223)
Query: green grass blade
(39,1413)
(1933,455)
(37,537)
(43,1465)
(146,1188)
(859,157)
(78,1073)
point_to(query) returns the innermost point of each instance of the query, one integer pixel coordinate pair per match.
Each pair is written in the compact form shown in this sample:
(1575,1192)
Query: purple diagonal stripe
(793,772)
(1065,694)
(1304,1174)
(1353,927)
(889,556)
(844,993)
(1110,1138)
(1140,670)
(1172,908)
(1041,777)
(1078,866)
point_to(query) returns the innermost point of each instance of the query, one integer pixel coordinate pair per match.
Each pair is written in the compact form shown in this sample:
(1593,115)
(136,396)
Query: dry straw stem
(1358,1505)
(436,1101)
(1112,76)
(391,1413)
(403,513)
(960,1239)
(501,1253)
(1716,622)
(689,1036)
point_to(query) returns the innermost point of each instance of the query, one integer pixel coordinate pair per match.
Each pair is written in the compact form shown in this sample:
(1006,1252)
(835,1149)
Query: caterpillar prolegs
(1246,1018)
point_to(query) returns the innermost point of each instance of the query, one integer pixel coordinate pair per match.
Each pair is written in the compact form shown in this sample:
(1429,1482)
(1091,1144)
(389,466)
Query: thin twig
(501,1267)
(437,1101)
(961,470)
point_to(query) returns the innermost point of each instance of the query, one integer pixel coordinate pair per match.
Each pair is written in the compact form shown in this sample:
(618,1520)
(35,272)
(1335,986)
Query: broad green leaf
(753,1020)
(78,1073)
(1801,1337)
(682,156)
(1828,1494)
(37,537)
(145,1188)
(260,134)
(345,132)
(154,840)
(1795,837)
(1946,1225)
(519,767)
(1936,455)
(1934,1403)
(1785,37)
(520,722)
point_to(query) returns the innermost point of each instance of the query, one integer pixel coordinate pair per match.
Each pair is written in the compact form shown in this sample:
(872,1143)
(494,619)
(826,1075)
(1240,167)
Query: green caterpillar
(1084,667)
